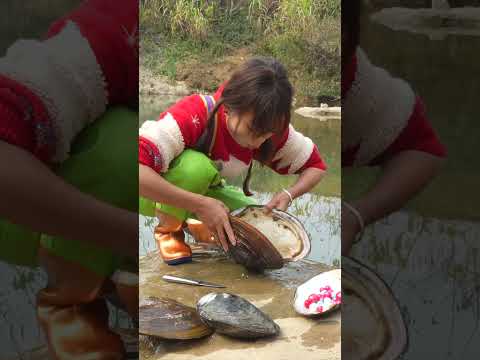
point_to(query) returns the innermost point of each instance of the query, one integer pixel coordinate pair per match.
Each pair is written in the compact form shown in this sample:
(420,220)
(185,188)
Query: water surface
(319,211)
(429,252)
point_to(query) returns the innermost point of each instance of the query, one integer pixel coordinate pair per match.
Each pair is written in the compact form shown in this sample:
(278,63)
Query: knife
(179,280)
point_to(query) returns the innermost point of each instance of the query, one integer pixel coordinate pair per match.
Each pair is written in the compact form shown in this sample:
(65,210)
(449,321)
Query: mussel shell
(234,316)
(283,230)
(253,249)
(372,326)
(169,319)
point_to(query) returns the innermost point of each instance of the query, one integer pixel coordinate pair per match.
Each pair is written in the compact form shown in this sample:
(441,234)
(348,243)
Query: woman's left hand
(280,201)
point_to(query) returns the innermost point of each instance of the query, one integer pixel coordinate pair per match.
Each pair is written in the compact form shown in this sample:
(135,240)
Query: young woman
(201,139)
(383,124)
(68,204)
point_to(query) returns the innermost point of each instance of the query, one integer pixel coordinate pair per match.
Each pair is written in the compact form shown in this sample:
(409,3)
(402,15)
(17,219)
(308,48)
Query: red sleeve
(111,29)
(177,128)
(13,129)
(314,159)
(24,121)
(417,135)
(149,155)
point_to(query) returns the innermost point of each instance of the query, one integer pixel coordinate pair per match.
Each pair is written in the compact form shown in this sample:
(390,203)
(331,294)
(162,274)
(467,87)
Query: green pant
(103,163)
(195,172)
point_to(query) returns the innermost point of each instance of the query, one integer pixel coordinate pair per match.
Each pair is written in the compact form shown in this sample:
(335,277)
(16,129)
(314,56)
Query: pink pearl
(307,303)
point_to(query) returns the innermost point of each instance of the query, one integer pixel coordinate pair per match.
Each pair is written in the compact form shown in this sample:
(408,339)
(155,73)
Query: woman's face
(240,127)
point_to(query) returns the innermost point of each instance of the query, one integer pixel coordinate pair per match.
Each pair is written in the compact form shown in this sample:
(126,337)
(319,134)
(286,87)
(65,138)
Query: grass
(302,34)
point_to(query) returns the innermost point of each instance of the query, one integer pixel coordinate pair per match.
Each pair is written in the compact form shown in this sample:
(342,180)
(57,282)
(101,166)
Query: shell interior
(169,319)
(283,231)
(373,325)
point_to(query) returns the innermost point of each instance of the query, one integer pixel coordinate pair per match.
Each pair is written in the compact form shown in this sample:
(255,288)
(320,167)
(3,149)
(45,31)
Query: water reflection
(445,73)
(433,270)
(19,330)
(320,216)
(436,23)
(326,134)
(29,19)
(20,333)
(319,210)
(428,253)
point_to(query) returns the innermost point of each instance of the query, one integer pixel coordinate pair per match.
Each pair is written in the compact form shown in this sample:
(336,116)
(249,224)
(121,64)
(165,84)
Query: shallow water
(19,331)
(272,292)
(445,74)
(29,19)
(325,134)
(319,215)
(319,211)
(429,252)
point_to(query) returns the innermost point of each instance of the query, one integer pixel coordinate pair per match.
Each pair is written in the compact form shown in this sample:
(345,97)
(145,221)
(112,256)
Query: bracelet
(359,218)
(289,195)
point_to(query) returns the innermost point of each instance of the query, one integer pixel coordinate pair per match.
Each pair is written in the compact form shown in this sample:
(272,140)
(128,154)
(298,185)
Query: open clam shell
(372,324)
(253,249)
(169,319)
(282,230)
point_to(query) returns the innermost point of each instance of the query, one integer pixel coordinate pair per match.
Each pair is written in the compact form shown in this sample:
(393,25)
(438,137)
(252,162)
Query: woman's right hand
(214,214)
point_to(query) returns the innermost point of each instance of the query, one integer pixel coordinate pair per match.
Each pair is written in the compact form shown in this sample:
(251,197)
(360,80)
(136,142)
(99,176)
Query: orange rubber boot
(170,240)
(200,232)
(72,315)
(126,284)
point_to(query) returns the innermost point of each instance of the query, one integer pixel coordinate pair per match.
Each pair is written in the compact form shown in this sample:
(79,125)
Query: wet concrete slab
(272,292)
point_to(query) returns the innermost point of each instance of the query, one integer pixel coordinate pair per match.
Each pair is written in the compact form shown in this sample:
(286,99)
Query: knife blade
(186,281)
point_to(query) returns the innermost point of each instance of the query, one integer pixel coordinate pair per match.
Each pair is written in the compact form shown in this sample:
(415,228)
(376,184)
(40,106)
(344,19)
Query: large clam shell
(283,231)
(372,324)
(253,249)
(168,319)
(235,316)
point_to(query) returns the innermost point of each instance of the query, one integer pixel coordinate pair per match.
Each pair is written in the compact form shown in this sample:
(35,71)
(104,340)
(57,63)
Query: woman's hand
(280,201)
(350,229)
(35,197)
(403,176)
(214,214)
(305,182)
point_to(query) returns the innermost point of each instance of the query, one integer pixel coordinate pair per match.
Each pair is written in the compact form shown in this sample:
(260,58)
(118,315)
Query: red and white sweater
(381,116)
(179,128)
(52,89)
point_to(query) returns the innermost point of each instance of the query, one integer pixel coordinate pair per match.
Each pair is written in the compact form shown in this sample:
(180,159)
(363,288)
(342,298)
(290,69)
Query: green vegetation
(201,42)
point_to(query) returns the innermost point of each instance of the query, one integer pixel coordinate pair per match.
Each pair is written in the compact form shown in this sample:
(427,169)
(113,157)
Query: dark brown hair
(351,12)
(260,85)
